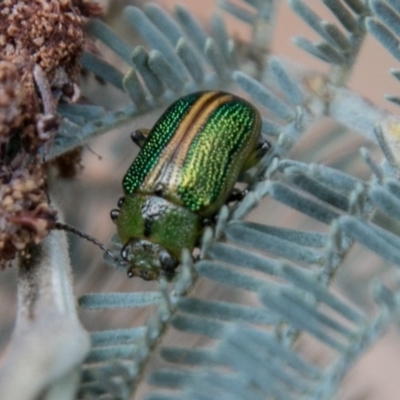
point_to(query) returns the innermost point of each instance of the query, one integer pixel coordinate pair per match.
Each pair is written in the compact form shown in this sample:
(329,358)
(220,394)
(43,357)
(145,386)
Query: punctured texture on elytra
(196,150)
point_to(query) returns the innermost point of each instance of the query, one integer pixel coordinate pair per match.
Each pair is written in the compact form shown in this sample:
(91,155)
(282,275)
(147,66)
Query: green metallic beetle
(186,170)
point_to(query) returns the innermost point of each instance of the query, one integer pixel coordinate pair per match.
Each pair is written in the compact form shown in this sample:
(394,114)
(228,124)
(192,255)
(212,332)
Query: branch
(48,342)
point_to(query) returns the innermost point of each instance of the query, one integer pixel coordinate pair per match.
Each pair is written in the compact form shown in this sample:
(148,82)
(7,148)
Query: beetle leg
(139,136)
(168,275)
(236,195)
(207,221)
(257,154)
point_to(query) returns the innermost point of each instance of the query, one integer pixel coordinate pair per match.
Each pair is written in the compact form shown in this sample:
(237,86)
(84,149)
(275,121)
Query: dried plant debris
(47,33)
(69,164)
(10,101)
(88,8)
(26,216)
(41,42)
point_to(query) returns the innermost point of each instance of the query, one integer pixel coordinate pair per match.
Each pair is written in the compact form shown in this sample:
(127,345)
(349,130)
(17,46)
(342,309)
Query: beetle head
(148,260)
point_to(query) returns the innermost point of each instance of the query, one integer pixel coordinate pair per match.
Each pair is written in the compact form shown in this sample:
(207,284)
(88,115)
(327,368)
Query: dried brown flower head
(25,215)
(44,32)
(88,8)
(10,100)
(41,42)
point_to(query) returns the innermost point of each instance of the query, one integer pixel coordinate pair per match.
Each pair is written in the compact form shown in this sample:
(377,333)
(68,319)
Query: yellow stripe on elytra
(180,156)
(162,170)
(172,175)
(152,179)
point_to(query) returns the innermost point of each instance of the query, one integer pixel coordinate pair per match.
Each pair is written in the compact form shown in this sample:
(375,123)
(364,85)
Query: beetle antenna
(65,227)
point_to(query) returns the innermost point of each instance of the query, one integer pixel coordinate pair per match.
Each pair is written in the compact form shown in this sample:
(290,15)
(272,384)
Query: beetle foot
(236,195)
(262,149)
(208,221)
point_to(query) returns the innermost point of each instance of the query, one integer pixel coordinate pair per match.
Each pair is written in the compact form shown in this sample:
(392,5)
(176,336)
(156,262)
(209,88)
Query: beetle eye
(167,261)
(121,201)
